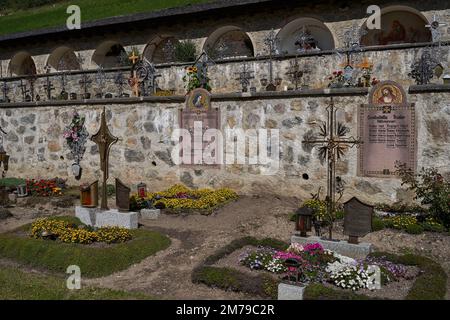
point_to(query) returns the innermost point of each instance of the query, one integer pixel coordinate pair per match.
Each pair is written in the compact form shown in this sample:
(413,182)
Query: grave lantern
(22,191)
(142,190)
(303,220)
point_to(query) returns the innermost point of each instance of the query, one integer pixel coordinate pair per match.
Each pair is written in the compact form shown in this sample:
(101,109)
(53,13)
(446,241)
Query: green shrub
(185,51)
(317,291)
(12,182)
(378,224)
(414,229)
(433,190)
(430,225)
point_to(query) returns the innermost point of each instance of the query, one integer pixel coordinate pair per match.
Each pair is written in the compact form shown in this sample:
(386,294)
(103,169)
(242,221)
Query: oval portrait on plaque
(387,92)
(199,100)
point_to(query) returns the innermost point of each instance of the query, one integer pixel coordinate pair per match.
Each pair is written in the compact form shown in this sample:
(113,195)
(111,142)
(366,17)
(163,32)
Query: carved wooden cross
(104,140)
(333,145)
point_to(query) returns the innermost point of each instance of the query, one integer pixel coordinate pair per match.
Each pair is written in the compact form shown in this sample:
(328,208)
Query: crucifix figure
(104,140)
(332,145)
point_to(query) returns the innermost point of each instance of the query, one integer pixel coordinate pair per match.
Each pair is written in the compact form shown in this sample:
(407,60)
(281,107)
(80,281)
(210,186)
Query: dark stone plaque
(122,196)
(388,128)
(4,198)
(357,218)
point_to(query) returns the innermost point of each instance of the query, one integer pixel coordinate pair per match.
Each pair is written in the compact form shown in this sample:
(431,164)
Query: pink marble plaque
(389,136)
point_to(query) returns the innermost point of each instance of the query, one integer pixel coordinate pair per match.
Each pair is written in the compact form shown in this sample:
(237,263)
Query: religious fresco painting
(255,150)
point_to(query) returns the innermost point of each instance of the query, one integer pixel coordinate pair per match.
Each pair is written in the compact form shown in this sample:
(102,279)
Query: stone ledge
(425,88)
(290,292)
(110,218)
(239,96)
(360,250)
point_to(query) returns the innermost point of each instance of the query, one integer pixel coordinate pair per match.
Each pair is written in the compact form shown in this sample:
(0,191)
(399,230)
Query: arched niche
(399,24)
(22,64)
(229,42)
(315,32)
(109,54)
(63,58)
(161,49)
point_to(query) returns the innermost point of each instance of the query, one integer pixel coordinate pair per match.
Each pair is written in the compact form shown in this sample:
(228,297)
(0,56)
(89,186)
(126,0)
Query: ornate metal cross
(244,77)
(119,80)
(104,140)
(134,58)
(24,89)
(422,70)
(332,143)
(100,79)
(169,51)
(272,43)
(294,72)
(84,82)
(5,91)
(202,63)
(146,75)
(434,27)
(305,40)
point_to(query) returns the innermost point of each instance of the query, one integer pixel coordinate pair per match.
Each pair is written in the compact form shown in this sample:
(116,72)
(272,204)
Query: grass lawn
(56,256)
(18,285)
(55,15)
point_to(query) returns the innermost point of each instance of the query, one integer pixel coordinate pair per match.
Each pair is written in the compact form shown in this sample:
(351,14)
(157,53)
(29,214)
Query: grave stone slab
(151,214)
(290,292)
(356,251)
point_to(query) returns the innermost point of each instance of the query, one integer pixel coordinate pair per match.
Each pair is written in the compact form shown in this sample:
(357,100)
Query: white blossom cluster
(348,276)
(276,266)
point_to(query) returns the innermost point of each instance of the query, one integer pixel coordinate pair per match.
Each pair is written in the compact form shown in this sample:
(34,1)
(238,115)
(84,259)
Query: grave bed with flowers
(181,199)
(257,267)
(57,242)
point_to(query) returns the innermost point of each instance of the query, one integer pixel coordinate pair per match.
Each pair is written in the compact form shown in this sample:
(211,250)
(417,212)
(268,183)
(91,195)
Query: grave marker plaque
(357,219)
(198,111)
(387,125)
(122,196)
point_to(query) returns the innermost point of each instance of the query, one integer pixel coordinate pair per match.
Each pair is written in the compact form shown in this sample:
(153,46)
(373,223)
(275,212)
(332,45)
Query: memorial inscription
(388,127)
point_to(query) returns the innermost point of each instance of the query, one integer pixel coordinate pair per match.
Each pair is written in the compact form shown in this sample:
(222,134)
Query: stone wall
(37,147)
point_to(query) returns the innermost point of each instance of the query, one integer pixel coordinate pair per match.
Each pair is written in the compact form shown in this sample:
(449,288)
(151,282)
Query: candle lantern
(142,190)
(89,195)
(22,191)
(303,220)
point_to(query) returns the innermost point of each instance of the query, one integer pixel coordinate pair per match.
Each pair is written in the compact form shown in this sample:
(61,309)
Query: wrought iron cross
(294,72)
(104,140)
(304,40)
(24,89)
(244,76)
(422,70)
(333,144)
(169,51)
(202,63)
(100,79)
(5,91)
(146,75)
(119,80)
(272,43)
(84,82)
(434,27)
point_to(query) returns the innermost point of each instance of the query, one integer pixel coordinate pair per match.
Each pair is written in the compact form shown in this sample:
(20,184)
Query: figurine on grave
(122,196)
(89,195)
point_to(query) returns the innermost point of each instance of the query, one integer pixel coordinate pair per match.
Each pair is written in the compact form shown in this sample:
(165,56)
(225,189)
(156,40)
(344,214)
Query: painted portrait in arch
(387,92)
(199,100)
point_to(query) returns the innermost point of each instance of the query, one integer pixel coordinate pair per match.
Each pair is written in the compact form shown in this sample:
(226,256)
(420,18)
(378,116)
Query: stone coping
(426,88)
(181,99)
